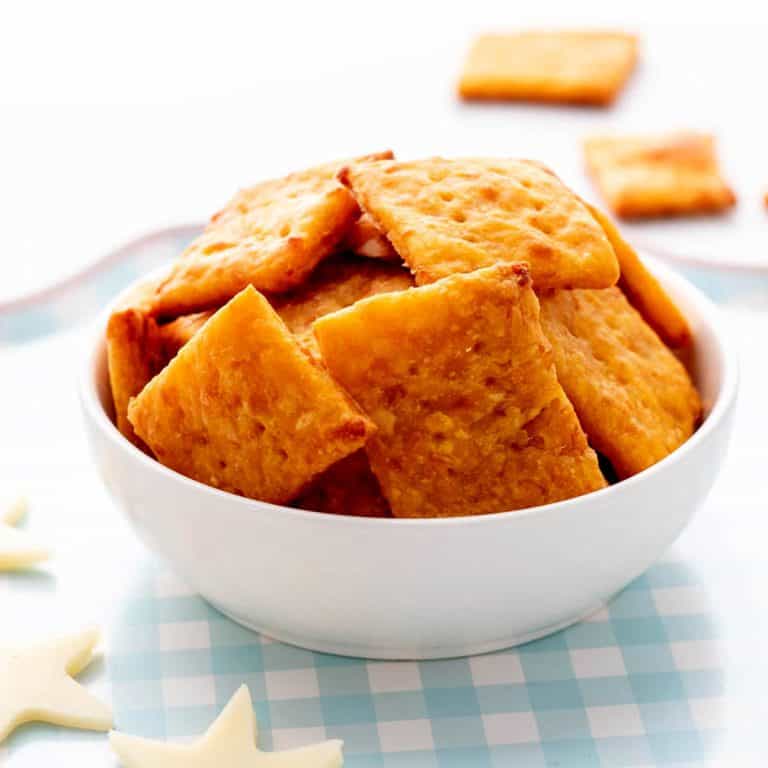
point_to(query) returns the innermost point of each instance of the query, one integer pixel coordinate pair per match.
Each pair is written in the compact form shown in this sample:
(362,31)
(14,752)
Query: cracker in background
(364,238)
(633,397)
(241,407)
(349,487)
(664,175)
(447,216)
(270,236)
(459,380)
(568,66)
(643,290)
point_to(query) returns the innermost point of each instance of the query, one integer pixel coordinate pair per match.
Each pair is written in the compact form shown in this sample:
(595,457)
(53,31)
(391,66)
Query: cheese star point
(37,686)
(17,548)
(230,741)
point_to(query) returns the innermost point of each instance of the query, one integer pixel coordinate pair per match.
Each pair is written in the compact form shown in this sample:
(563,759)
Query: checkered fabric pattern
(636,684)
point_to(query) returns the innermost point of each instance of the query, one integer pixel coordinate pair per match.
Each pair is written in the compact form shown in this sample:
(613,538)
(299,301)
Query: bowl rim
(724,402)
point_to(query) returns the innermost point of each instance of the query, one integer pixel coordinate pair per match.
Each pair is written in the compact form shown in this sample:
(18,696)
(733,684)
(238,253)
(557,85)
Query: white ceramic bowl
(419,589)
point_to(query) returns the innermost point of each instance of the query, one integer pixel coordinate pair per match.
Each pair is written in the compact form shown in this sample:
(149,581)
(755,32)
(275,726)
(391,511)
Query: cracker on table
(349,487)
(242,408)
(633,397)
(663,175)
(270,236)
(568,66)
(643,290)
(447,216)
(459,379)
(364,238)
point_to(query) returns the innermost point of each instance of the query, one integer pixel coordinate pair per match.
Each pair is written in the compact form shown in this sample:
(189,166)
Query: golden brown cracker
(335,284)
(364,238)
(663,175)
(459,379)
(175,334)
(633,397)
(241,408)
(582,67)
(643,290)
(349,487)
(133,354)
(447,216)
(270,236)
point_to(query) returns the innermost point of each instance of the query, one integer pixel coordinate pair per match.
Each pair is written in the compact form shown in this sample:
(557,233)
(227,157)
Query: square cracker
(459,379)
(643,290)
(633,397)
(665,175)
(241,407)
(446,216)
(349,487)
(270,236)
(568,66)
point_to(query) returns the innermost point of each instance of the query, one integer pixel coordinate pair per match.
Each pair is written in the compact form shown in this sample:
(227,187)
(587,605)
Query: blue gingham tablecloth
(671,672)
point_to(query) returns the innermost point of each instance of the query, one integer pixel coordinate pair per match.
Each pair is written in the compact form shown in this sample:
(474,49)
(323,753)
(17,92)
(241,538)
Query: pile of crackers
(427,338)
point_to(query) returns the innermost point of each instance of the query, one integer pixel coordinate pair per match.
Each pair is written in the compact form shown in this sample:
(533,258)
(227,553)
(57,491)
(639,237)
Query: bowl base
(407,653)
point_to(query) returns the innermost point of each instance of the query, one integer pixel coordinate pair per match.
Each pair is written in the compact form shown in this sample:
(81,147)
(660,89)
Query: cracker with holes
(589,67)
(447,216)
(633,397)
(643,290)
(243,409)
(460,382)
(664,175)
(349,487)
(270,236)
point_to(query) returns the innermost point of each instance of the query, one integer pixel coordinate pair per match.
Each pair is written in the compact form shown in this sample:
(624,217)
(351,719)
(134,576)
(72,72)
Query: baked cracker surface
(447,216)
(242,408)
(459,379)
(633,397)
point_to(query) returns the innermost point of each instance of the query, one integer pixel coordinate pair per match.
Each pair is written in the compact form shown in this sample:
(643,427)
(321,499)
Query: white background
(119,118)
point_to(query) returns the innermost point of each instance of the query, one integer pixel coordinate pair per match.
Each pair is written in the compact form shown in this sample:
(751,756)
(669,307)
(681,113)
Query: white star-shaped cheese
(35,684)
(229,743)
(17,549)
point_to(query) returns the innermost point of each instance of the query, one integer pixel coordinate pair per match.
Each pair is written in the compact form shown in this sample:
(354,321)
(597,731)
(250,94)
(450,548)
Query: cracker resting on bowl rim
(643,290)
(658,175)
(138,348)
(587,67)
(447,216)
(459,379)
(242,408)
(270,236)
(633,397)
(133,352)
